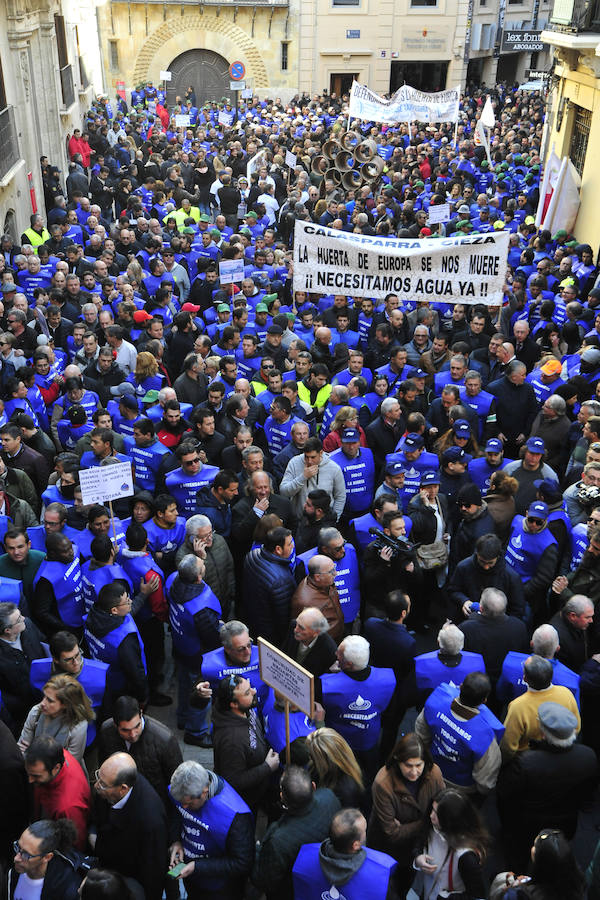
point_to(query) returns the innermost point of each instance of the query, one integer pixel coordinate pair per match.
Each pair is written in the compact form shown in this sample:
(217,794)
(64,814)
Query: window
(345,2)
(3,103)
(581,134)
(284,55)
(61,41)
(423,2)
(113,49)
(9,145)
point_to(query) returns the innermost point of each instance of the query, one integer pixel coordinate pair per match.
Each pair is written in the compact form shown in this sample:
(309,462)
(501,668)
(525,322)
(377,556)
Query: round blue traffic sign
(237,70)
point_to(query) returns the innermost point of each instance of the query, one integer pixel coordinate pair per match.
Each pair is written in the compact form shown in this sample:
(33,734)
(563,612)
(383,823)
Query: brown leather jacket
(325,599)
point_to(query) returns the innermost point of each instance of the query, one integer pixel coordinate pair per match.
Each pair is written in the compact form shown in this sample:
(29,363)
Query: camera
(400,547)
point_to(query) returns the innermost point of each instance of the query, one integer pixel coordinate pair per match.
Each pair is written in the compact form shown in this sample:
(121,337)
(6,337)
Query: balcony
(575,16)
(9,144)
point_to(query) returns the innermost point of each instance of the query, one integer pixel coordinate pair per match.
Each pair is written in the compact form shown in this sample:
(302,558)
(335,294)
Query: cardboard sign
(182,121)
(439,213)
(103,483)
(166,76)
(231,271)
(290,159)
(286,676)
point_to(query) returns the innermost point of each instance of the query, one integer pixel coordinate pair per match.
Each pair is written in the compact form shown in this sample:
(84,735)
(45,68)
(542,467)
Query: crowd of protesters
(403,497)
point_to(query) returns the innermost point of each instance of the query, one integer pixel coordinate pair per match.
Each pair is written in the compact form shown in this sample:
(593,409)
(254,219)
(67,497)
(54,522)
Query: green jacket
(24,573)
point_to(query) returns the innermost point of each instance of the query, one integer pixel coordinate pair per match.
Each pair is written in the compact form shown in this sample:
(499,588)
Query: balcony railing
(575,16)
(9,144)
(67,88)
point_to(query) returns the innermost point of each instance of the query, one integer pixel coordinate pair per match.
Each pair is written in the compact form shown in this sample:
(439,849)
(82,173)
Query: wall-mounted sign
(521,41)
(352,33)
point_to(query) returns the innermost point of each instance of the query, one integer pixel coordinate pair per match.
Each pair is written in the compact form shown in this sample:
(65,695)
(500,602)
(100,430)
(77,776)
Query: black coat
(17,694)
(245,520)
(493,638)
(574,646)
(383,438)
(319,658)
(133,840)
(516,407)
(14,791)
(469,580)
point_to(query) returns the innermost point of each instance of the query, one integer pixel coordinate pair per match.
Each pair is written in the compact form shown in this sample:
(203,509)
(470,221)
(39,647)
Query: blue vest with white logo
(480,404)
(106,650)
(456,745)
(359,476)
(93,580)
(65,578)
(186,641)
(511,683)
(347,580)
(92,678)
(579,540)
(215,666)
(184,488)
(481,472)
(431,671)
(37,536)
(354,707)
(147,462)
(371,881)
(83,539)
(542,391)
(278,436)
(10,590)
(525,550)
(274,722)
(137,567)
(205,830)
(165,540)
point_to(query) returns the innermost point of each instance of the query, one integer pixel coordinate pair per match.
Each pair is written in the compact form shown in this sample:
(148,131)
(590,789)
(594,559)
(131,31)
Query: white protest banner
(406,105)
(166,76)
(231,270)
(455,269)
(254,164)
(182,121)
(100,484)
(225,118)
(290,159)
(440,213)
(286,676)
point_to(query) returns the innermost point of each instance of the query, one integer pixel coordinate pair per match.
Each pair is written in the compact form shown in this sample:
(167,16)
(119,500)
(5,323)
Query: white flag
(551,170)
(480,140)
(487,116)
(565,200)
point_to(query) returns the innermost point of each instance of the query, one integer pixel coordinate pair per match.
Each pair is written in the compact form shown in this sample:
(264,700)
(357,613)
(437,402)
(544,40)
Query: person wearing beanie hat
(532,552)
(475,521)
(547,782)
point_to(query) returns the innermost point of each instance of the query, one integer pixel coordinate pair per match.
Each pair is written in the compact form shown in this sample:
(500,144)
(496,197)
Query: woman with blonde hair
(145,377)
(333,765)
(346,417)
(63,713)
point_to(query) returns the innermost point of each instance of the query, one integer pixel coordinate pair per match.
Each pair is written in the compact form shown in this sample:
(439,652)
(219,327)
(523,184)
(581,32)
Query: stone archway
(195,31)
(205,70)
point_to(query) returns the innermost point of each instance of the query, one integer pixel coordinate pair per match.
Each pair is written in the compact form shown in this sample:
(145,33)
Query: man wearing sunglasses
(533,553)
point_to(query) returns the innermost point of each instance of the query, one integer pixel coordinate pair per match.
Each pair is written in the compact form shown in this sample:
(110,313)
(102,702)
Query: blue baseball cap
(549,488)
(494,445)
(394,468)
(414,441)
(538,509)
(349,435)
(418,373)
(462,429)
(535,445)
(430,478)
(456,454)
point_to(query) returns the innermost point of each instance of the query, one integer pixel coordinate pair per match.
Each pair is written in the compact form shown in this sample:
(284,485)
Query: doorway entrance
(206,71)
(341,83)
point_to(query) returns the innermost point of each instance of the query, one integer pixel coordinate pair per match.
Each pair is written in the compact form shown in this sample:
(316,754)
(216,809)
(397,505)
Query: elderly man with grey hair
(202,541)
(310,643)
(237,656)
(544,643)
(260,500)
(195,617)
(552,425)
(318,590)
(493,633)
(450,663)
(384,433)
(572,623)
(516,407)
(213,834)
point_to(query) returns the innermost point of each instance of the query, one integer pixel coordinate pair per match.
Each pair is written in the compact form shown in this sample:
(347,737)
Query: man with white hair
(544,643)
(355,699)
(450,664)
(493,633)
(318,590)
(214,834)
(309,642)
(552,425)
(572,623)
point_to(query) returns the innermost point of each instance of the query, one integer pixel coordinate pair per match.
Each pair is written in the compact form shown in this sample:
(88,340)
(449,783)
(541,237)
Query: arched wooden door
(206,71)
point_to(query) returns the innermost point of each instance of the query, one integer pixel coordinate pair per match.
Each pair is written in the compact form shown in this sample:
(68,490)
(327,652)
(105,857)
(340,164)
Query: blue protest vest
(511,683)
(181,616)
(106,650)
(525,550)
(147,461)
(371,881)
(165,540)
(354,707)
(137,567)
(561,515)
(278,436)
(431,671)
(37,536)
(542,391)
(90,402)
(205,830)
(361,529)
(480,404)
(456,745)
(5,521)
(53,495)
(347,580)
(359,476)
(10,590)
(481,472)
(184,488)
(274,722)
(92,677)
(579,540)
(215,666)
(441,379)
(94,580)
(83,539)
(65,578)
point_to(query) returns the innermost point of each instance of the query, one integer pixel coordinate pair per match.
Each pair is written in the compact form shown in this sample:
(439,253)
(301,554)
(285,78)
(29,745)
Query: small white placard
(286,676)
(231,271)
(100,484)
(290,159)
(439,213)
(166,76)
(182,121)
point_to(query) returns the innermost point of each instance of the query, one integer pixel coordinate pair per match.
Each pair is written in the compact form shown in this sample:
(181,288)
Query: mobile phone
(176,871)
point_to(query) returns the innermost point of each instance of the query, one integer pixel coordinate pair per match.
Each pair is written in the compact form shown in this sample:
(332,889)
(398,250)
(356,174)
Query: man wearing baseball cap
(393,484)
(483,467)
(415,460)
(529,469)
(454,476)
(358,468)
(546,379)
(533,553)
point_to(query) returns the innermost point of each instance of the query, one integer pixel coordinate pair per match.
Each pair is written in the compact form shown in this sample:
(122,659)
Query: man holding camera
(389,564)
